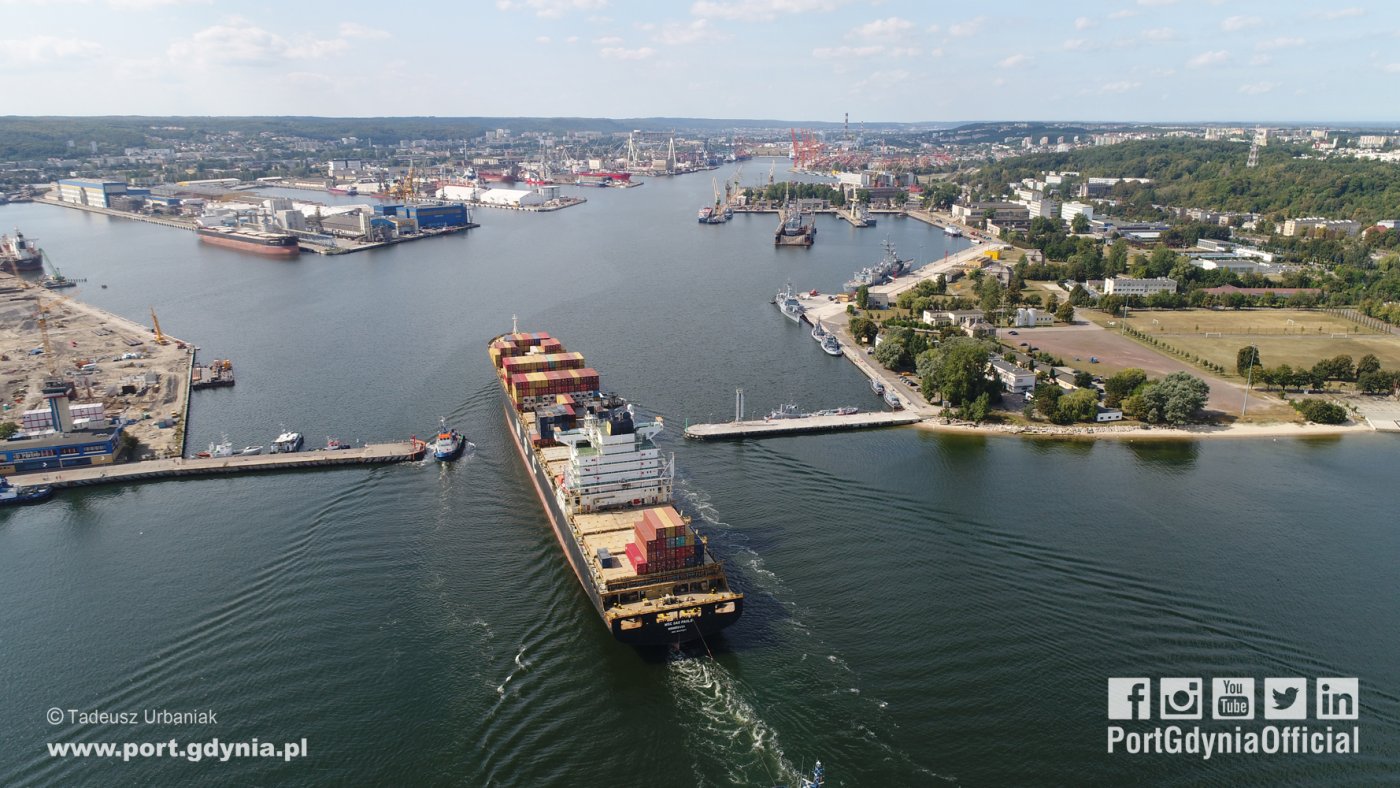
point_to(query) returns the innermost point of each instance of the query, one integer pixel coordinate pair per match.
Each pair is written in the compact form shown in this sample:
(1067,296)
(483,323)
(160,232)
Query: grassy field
(1284,336)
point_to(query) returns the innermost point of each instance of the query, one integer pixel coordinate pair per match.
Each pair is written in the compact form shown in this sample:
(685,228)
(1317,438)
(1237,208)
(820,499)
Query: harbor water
(922,609)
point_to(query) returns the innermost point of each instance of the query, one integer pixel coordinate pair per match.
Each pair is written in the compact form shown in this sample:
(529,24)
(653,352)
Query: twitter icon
(1285,699)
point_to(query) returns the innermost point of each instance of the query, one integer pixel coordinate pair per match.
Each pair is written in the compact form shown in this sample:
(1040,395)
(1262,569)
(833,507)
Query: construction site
(85,387)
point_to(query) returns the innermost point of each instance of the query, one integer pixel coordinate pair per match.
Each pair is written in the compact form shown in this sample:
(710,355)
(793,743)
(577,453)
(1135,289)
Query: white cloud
(1084,23)
(1343,13)
(608,41)
(550,9)
(1123,13)
(844,52)
(759,10)
(1013,61)
(1156,2)
(1282,42)
(1261,60)
(1235,23)
(1392,68)
(1077,44)
(677,33)
(1257,88)
(622,53)
(571,40)
(238,42)
(999,81)
(39,50)
(968,28)
(543,40)
(893,27)
(357,30)
(1208,59)
(143,5)
(1159,34)
(1121,86)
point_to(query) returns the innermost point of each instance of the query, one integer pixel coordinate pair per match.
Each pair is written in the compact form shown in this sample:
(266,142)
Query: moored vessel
(789,305)
(18,253)
(287,442)
(10,495)
(249,240)
(607,491)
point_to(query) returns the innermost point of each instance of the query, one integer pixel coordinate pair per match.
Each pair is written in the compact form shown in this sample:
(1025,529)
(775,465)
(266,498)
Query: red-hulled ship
(249,240)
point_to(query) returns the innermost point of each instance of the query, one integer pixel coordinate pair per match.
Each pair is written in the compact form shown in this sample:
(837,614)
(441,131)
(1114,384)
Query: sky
(878,60)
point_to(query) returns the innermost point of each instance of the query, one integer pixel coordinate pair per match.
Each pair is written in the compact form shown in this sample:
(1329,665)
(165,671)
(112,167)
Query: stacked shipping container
(512,345)
(529,388)
(541,362)
(663,543)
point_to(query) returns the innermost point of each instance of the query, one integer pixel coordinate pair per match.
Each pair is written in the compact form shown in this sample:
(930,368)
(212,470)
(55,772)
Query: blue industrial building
(54,451)
(429,217)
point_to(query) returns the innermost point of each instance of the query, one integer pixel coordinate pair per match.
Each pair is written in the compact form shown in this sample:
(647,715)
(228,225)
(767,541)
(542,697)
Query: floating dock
(804,424)
(370,454)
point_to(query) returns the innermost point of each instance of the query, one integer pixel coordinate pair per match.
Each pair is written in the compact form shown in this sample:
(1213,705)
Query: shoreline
(1191,433)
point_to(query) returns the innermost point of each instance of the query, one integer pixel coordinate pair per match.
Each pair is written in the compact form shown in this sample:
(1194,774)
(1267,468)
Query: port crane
(160,337)
(41,311)
(404,191)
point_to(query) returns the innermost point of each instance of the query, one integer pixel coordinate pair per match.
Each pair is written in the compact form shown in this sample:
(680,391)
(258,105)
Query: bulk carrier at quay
(607,491)
(248,240)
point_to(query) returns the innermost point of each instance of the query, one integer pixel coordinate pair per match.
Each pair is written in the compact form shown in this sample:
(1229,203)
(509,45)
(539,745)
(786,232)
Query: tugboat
(11,495)
(449,443)
(287,443)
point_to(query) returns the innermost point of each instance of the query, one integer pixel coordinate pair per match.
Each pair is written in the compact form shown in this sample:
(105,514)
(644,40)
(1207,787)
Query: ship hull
(247,246)
(710,618)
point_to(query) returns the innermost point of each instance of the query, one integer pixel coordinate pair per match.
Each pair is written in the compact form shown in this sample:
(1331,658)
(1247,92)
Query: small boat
(10,495)
(877,387)
(287,443)
(892,399)
(333,444)
(788,411)
(831,345)
(819,333)
(449,443)
(949,229)
(249,451)
(704,215)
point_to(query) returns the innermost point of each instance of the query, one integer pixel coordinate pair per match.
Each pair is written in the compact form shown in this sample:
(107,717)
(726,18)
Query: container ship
(249,240)
(608,493)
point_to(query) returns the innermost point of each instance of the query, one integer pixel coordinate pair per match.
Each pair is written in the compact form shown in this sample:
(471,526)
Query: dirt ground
(1076,344)
(82,334)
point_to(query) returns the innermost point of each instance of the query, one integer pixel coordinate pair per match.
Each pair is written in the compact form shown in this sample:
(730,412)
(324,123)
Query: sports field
(1283,336)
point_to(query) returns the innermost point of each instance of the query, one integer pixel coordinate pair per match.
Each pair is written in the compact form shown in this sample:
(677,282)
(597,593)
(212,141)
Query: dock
(148,470)
(803,424)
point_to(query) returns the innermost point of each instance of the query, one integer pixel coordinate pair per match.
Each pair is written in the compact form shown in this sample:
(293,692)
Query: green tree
(1119,387)
(863,296)
(959,369)
(1368,363)
(1083,379)
(1246,359)
(8,429)
(863,329)
(1079,224)
(1173,400)
(1320,411)
(1065,312)
(976,410)
(1078,405)
(892,354)
(1047,399)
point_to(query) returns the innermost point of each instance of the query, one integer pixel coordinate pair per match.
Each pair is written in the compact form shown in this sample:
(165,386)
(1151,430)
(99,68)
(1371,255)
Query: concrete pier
(369,454)
(765,429)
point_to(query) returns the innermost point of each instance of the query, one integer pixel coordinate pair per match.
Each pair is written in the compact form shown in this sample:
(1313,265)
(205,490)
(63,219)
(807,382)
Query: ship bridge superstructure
(614,463)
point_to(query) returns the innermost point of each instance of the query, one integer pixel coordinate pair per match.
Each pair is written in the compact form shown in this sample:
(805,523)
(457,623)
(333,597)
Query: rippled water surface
(922,610)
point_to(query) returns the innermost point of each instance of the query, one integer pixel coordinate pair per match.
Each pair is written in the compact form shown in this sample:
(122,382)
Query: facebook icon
(1129,699)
